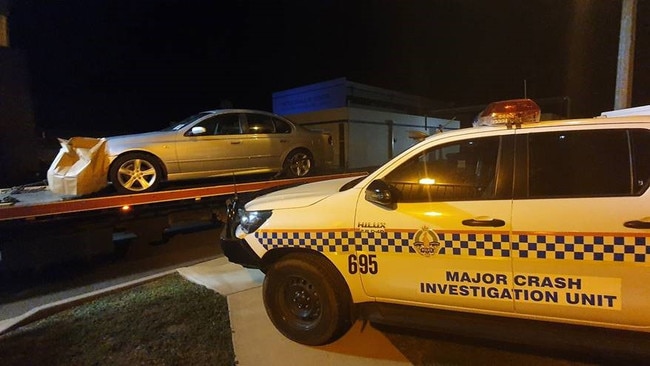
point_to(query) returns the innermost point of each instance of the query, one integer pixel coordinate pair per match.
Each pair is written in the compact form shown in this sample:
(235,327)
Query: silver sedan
(216,143)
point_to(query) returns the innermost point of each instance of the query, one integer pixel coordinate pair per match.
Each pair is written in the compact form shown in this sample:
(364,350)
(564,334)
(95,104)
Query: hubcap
(136,175)
(303,300)
(300,164)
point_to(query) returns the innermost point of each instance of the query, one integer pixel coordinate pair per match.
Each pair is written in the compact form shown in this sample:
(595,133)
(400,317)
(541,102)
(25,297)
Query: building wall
(311,98)
(367,144)
(369,138)
(341,92)
(369,125)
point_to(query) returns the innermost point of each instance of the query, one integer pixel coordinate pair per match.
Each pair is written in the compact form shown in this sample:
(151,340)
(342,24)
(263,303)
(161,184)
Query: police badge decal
(425,242)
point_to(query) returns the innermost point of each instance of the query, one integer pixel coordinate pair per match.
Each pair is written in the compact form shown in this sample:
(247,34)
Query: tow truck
(39,228)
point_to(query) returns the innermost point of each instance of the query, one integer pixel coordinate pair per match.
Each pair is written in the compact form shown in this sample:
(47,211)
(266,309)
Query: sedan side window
(228,124)
(260,123)
(209,124)
(463,170)
(281,126)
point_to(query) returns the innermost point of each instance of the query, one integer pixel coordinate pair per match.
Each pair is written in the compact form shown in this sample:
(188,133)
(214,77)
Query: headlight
(251,220)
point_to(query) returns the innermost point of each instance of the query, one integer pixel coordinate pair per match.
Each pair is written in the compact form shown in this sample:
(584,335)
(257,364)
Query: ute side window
(588,163)
(457,171)
(640,141)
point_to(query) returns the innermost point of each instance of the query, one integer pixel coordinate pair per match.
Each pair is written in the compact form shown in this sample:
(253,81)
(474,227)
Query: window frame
(523,168)
(502,175)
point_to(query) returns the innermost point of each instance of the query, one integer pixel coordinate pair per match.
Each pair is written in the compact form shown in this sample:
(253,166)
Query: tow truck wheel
(298,164)
(135,173)
(307,299)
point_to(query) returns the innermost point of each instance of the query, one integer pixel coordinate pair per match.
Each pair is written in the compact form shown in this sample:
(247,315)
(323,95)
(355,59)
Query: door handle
(638,224)
(484,221)
(235,142)
(284,140)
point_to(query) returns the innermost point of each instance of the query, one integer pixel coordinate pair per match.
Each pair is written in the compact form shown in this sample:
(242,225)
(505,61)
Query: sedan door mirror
(380,193)
(197,130)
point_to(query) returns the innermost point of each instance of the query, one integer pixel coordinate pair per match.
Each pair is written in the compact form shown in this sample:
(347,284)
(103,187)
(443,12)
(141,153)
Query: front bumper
(235,249)
(238,251)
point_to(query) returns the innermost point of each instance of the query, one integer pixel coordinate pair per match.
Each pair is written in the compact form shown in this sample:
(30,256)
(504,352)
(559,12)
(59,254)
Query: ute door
(434,230)
(581,225)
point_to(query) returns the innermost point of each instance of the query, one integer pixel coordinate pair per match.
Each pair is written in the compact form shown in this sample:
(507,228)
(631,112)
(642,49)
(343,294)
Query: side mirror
(197,130)
(380,193)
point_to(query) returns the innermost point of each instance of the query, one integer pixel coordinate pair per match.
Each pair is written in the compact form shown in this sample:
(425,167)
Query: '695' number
(362,263)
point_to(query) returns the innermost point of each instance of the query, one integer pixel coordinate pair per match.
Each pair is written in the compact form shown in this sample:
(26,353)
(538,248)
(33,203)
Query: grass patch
(169,321)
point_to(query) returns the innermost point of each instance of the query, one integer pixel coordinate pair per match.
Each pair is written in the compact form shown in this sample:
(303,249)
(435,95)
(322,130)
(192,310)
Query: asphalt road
(453,344)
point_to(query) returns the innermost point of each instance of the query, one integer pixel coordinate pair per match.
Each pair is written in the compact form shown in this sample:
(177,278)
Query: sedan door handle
(235,142)
(644,223)
(484,221)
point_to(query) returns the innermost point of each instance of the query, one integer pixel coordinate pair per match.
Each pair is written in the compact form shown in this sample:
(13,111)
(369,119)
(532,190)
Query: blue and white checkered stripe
(338,241)
(475,244)
(608,248)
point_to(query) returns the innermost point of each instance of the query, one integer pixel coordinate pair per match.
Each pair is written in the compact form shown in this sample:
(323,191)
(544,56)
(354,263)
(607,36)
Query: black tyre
(307,299)
(135,173)
(298,163)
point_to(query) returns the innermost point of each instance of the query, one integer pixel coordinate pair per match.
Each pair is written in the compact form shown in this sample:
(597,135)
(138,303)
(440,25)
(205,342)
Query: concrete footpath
(257,342)
(255,339)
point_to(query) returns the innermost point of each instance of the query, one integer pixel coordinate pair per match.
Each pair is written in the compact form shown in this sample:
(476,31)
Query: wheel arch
(276,255)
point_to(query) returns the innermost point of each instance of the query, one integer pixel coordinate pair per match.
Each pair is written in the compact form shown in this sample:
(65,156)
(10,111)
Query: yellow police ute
(514,217)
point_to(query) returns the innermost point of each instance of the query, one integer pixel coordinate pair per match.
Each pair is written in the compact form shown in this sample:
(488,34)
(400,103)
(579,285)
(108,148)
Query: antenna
(525,89)
(234,184)
(231,209)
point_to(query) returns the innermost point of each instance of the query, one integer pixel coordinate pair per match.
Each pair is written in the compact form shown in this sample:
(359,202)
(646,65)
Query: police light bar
(509,112)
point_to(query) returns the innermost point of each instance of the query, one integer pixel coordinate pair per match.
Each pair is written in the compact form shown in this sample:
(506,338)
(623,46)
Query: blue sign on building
(310,98)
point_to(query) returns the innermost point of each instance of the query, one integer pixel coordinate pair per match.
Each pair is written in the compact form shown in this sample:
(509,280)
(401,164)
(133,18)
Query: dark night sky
(135,65)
